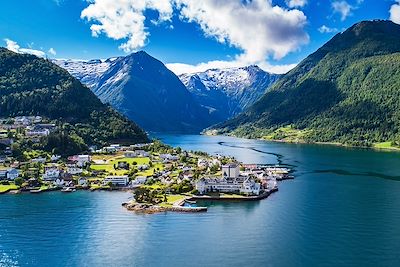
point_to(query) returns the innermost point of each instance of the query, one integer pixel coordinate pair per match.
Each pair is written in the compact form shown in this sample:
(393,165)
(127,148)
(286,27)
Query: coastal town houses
(139,180)
(9,174)
(73,169)
(136,154)
(80,160)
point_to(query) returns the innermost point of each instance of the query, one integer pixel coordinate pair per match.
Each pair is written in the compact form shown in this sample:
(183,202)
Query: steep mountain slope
(348,91)
(88,72)
(33,86)
(227,92)
(142,88)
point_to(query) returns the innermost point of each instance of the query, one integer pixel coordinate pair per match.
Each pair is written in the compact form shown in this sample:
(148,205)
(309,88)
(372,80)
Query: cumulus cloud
(125,19)
(343,8)
(395,12)
(14,46)
(258,28)
(326,29)
(296,3)
(52,51)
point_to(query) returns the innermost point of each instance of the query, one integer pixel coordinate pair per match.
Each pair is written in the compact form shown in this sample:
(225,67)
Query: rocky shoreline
(150,208)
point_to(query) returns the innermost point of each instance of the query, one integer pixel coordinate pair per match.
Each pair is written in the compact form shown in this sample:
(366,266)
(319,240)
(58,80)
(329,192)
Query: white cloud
(326,29)
(395,12)
(343,8)
(296,3)
(13,46)
(180,68)
(257,27)
(52,51)
(124,19)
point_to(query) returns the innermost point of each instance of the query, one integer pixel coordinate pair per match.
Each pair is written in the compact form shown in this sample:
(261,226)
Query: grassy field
(171,199)
(288,134)
(6,188)
(108,166)
(385,145)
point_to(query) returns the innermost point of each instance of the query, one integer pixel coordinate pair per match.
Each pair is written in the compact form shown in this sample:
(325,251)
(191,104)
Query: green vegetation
(288,134)
(346,92)
(33,86)
(7,187)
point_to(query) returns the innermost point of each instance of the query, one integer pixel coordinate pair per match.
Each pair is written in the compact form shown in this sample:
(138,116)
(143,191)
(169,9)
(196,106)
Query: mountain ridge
(228,91)
(341,93)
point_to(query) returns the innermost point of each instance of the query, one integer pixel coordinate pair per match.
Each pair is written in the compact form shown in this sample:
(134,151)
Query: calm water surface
(342,209)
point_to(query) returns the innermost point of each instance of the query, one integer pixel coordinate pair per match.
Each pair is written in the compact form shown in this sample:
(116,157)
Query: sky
(187,35)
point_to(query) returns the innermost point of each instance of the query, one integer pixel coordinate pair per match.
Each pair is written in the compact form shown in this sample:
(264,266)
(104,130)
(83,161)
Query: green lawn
(109,166)
(171,199)
(385,145)
(5,188)
(288,134)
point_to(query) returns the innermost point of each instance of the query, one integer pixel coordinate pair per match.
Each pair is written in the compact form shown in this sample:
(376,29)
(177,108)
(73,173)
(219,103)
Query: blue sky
(197,34)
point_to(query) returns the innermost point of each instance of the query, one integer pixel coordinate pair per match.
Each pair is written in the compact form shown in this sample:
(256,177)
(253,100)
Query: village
(160,176)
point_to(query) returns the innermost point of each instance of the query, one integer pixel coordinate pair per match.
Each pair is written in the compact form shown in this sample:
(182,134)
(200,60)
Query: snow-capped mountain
(87,71)
(142,88)
(227,92)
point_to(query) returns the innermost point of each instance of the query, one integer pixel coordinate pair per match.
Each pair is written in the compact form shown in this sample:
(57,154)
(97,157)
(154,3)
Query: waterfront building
(122,180)
(230,182)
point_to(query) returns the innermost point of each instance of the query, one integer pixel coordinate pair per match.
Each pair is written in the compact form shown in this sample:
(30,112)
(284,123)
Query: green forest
(346,92)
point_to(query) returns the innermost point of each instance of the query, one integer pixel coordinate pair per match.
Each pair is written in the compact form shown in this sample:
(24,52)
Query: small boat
(35,191)
(68,189)
(191,201)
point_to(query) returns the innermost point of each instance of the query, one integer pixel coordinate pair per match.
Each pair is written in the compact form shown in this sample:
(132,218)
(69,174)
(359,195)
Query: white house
(83,182)
(74,170)
(130,154)
(122,180)
(38,132)
(169,157)
(139,180)
(80,160)
(143,167)
(51,174)
(12,174)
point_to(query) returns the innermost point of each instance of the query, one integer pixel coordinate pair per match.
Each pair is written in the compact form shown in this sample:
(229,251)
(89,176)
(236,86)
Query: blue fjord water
(342,209)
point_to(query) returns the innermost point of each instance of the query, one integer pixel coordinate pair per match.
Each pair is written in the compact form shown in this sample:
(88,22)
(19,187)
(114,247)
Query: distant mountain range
(34,86)
(142,88)
(227,92)
(348,91)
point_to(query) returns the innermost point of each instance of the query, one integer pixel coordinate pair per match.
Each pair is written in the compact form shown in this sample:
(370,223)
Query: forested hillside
(348,92)
(33,86)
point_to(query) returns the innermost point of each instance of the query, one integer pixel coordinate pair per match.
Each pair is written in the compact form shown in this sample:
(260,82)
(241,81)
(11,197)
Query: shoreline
(374,148)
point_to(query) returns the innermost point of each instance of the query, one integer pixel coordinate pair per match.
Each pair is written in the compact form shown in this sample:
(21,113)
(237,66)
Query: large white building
(230,182)
(117,180)
(228,185)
